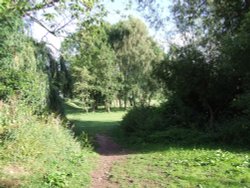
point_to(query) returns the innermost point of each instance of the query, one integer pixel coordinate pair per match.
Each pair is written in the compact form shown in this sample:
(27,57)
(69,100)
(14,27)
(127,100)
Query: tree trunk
(133,99)
(86,109)
(94,106)
(149,100)
(130,101)
(125,101)
(107,106)
(211,117)
(247,4)
(120,103)
(134,102)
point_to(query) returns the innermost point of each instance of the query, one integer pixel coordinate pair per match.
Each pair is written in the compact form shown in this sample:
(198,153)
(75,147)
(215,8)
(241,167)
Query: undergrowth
(37,151)
(162,125)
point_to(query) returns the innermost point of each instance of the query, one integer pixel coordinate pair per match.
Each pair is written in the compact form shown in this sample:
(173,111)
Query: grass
(164,166)
(100,122)
(37,152)
(167,165)
(40,152)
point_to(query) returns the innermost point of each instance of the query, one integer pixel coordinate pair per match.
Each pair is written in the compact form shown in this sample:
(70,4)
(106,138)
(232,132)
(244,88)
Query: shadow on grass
(135,144)
(70,109)
(95,127)
(140,143)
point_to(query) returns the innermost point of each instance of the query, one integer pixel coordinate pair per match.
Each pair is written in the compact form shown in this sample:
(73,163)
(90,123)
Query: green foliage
(216,17)
(137,55)
(64,79)
(28,71)
(92,65)
(24,79)
(174,122)
(57,179)
(210,75)
(235,131)
(9,82)
(203,86)
(206,81)
(30,138)
(113,62)
(43,147)
(138,120)
(84,140)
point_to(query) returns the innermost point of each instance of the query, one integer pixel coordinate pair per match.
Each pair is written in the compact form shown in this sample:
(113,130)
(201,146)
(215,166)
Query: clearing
(157,165)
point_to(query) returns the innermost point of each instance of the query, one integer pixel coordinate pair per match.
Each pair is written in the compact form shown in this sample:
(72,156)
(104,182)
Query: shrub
(235,131)
(170,114)
(173,123)
(84,140)
(137,119)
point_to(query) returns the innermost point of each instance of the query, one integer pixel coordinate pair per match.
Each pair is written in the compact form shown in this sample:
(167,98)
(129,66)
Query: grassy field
(157,165)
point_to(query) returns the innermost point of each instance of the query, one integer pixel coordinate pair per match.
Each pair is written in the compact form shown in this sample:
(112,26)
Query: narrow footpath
(110,153)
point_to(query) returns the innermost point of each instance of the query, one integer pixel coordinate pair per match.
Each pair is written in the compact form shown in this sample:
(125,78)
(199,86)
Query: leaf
(49,16)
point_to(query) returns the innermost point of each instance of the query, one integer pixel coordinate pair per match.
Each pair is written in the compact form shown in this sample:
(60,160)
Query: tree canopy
(116,61)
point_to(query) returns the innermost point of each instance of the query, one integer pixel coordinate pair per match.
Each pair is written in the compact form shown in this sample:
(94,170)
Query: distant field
(94,122)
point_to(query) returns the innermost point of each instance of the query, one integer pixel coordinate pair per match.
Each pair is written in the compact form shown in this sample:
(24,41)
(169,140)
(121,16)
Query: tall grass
(42,148)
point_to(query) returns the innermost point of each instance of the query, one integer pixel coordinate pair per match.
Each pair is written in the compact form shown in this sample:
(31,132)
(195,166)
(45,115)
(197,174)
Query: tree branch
(41,24)
(64,25)
(40,6)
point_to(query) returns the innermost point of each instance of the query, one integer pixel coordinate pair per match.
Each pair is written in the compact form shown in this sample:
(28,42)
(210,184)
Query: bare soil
(110,153)
(14,172)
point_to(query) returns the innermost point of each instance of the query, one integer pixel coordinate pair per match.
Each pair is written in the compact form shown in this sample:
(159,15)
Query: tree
(136,52)
(88,49)
(211,72)
(46,12)
(55,76)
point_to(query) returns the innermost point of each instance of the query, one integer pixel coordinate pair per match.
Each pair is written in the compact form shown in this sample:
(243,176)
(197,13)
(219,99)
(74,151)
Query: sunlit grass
(94,122)
(171,165)
(179,167)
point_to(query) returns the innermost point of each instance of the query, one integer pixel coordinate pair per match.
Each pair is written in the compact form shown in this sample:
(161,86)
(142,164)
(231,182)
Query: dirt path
(110,152)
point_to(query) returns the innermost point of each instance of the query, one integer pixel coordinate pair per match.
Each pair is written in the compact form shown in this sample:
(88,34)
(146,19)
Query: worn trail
(110,153)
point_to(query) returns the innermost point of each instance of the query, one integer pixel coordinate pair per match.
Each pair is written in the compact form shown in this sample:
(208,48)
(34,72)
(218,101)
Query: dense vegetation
(202,85)
(113,64)
(205,81)
(36,147)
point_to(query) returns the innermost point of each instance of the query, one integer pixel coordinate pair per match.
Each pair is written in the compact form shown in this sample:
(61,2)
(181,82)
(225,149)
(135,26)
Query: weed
(57,179)
(43,147)
(85,141)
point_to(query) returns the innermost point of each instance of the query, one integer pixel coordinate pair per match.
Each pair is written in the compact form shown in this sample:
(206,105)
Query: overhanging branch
(41,24)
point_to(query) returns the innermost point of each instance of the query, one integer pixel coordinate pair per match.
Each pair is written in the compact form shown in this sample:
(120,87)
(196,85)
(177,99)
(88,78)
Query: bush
(170,114)
(138,119)
(9,81)
(235,131)
(173,123)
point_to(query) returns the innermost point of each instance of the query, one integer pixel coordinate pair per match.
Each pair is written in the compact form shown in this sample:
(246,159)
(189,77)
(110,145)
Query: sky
(117,11)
